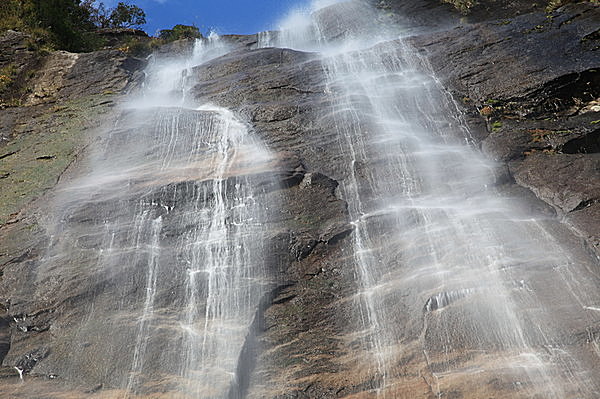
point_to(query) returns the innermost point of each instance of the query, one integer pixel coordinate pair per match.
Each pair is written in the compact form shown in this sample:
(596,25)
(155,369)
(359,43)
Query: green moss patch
(42,149)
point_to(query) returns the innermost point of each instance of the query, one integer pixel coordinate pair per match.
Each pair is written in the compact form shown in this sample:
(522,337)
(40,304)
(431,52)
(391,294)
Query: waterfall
(166,225)
(450,270)
(401,265)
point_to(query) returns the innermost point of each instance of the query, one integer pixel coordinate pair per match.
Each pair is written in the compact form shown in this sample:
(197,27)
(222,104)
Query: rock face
(538,121)
(270,83)
(546,106)
(554,54)
(60,99)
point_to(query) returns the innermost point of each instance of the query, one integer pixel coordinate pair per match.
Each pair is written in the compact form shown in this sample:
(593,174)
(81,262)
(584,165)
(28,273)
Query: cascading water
(450,271)
(170,216)
(164,242)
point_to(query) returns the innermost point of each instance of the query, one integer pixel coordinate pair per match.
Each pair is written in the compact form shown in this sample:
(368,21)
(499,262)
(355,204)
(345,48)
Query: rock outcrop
(529,86)
(47,121)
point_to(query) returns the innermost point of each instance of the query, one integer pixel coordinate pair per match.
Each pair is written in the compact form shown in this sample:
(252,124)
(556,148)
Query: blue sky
(224,16)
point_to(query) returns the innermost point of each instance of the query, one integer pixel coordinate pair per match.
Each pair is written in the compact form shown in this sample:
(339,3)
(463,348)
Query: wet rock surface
(48,123)
(539,118)
(552,57)
(540,112)
(308,349)
(45,309)
(278,90)
(301,338)
(534,80)
(568,182)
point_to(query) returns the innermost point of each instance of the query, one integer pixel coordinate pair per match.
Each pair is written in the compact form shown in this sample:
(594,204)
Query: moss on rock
(42,149)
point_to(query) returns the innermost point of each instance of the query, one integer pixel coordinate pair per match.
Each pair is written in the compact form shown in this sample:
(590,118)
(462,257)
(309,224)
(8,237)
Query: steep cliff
(51,106)
(534,80)
(529,88)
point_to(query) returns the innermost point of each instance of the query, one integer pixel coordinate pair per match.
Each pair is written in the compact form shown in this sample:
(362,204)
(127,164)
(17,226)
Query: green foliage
(122,16)
(63,23)
(99,15)
(10,15)
(127,16)
(180,32)
(67,24)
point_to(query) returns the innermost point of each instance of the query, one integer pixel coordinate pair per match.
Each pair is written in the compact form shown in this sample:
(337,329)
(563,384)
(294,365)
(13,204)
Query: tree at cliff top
(67,24)
(180,32)
(127,16)
(122,16)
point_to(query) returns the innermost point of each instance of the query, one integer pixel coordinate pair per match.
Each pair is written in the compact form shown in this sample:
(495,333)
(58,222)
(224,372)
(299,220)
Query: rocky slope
(47,120)
(534,80)
(529,86)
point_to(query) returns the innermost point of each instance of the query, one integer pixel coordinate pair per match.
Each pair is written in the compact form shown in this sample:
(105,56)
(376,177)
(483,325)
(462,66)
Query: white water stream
(446,263)
(169,221)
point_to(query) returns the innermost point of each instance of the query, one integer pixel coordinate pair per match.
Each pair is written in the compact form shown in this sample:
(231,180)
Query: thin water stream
(170,221)
(449,269)
(459,287)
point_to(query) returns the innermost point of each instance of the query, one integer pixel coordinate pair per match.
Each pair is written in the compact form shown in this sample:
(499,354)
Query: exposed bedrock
(309,339)
(530,88)
(304,328)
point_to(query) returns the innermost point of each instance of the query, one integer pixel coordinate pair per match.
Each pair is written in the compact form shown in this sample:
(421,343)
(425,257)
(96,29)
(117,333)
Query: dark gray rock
(177,48)
(99,72)
(543,63)
(282,92)
(434,14)
(4,333)
(585,221)
(567,182)
(585,144)
(514,138)
(345,21)
(534,80)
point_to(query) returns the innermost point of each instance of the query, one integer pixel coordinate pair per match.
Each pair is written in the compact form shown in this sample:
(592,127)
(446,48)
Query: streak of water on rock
(449,271)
